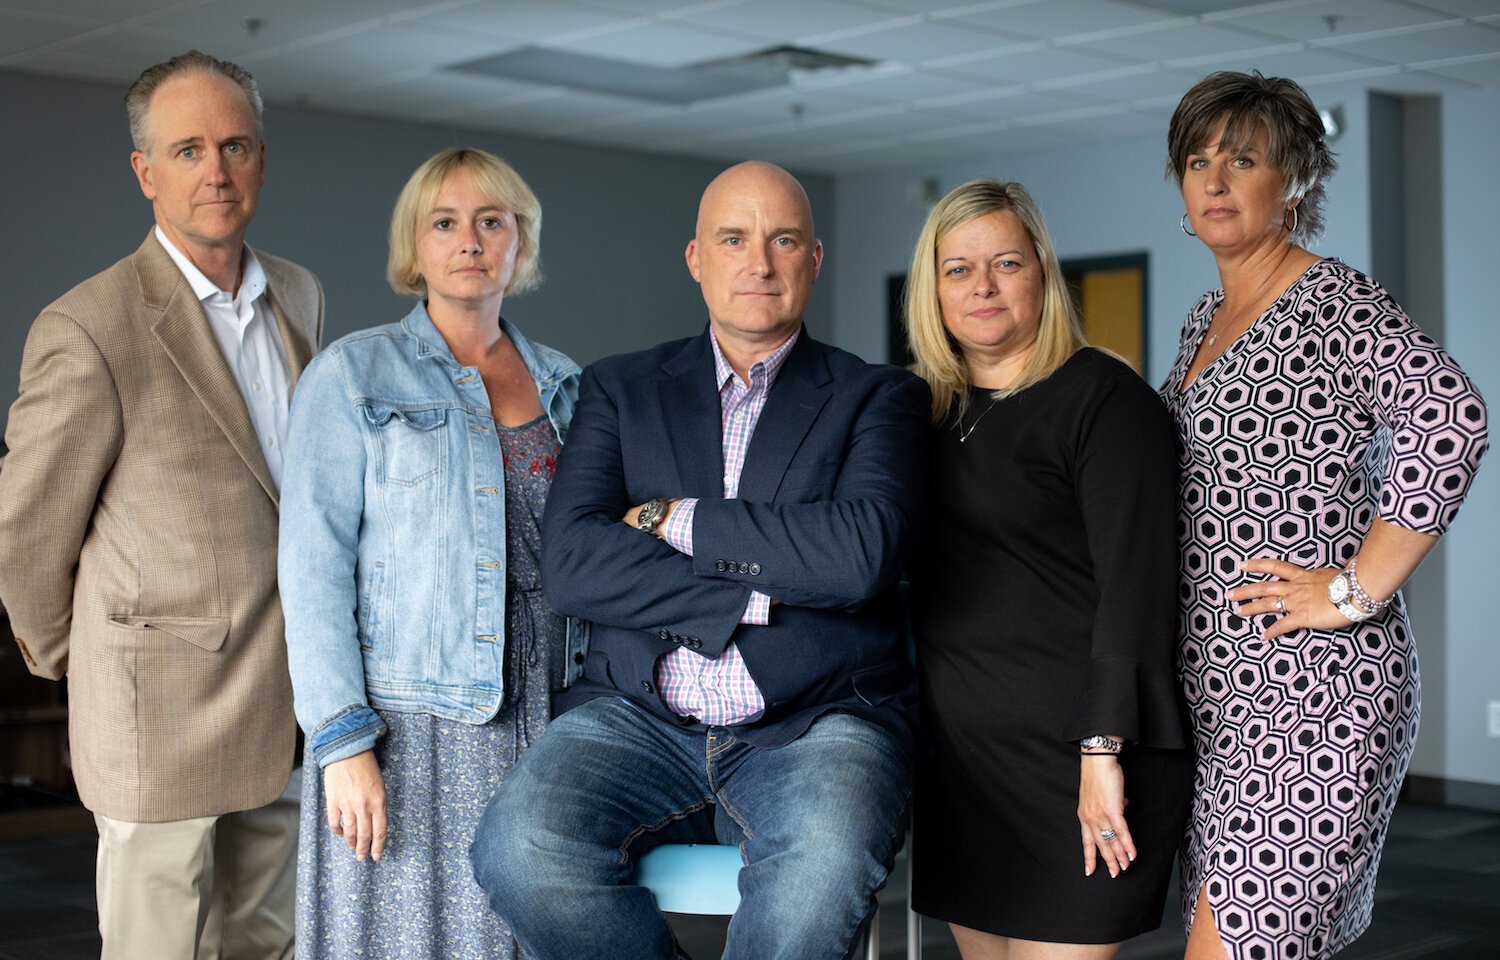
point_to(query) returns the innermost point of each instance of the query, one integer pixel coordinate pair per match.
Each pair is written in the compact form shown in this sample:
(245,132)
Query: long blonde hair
(939,359)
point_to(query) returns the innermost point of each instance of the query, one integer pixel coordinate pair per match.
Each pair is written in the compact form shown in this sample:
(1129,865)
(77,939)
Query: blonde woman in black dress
(1045,604)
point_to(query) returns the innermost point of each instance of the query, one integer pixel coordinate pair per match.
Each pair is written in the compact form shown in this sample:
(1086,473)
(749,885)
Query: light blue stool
(703,878)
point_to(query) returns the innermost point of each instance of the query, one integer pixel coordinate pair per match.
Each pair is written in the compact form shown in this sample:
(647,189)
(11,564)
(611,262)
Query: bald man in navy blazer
(732,512)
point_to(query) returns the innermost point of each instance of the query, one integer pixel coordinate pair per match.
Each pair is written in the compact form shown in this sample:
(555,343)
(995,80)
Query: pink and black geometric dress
(1331,410)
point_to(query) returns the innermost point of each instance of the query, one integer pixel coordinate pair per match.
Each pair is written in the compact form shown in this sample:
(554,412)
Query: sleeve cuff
(350,731)
(757,611)
(1124,697)
(678,530)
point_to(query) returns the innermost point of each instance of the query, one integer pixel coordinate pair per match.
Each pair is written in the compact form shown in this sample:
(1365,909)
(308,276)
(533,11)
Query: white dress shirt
(246,330)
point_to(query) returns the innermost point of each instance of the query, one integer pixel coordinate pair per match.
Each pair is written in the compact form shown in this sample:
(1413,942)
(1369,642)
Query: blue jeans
(817,821)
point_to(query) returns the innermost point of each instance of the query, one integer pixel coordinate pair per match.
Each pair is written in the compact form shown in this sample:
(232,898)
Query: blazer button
(719,565)
(578,658)
(695,643)
(646,686)
(665,634)
(754,569)
(744,567)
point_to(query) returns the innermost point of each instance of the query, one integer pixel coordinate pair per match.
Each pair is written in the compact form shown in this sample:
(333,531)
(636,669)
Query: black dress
(1045,610)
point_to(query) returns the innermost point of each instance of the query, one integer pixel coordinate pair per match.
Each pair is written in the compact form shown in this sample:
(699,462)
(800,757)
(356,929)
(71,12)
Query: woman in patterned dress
(1326,444)
(422,654)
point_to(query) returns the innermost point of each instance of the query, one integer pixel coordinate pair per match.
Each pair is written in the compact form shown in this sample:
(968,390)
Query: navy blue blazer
(830,498)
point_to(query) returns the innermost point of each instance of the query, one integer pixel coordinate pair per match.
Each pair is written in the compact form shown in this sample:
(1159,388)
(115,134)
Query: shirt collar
(770,365)
(252,276)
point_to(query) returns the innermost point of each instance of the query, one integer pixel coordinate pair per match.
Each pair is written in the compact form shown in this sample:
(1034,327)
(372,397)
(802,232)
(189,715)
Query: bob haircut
(498,181)
(939,359)
(1243,102)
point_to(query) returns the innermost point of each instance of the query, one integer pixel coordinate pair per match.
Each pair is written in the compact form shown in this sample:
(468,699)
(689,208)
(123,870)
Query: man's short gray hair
(138,97)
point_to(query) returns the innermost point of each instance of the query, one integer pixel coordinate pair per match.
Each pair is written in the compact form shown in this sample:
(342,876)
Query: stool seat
(698,878)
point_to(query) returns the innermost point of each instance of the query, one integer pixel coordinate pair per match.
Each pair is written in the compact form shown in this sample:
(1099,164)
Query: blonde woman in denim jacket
(422,654)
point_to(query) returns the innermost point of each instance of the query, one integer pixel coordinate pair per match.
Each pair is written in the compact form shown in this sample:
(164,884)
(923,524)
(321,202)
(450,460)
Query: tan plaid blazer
(138,542)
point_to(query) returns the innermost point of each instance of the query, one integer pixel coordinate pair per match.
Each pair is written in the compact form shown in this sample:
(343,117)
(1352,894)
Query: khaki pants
(211,888)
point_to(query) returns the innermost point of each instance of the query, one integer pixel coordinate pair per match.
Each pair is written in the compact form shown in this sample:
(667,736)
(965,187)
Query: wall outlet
(1495,718)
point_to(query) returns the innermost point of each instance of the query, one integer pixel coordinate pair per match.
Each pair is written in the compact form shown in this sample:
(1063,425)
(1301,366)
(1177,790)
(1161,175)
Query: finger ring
(1281,604)
(1107,833)
(343,822)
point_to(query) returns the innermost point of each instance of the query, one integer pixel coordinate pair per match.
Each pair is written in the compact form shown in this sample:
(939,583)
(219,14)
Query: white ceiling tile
(1482,71)
(529,21)
(1461,8)
(918,42)
(1282,62)
(663,45)
(785,21)
(898,125)
(1176,42)
(1005,104)
(899,84)
(1434,44)
(1030,66)
(661,9)
(1310,21)
(282,24)
(959,77)
(432,97)
(98,11)
(1408,82)
(20,32)
(785,104)
(66,63)
(564,113)
(142,46)
(1061,18)
(380,52)
(1000,141)
(1128,87)
(1115,126)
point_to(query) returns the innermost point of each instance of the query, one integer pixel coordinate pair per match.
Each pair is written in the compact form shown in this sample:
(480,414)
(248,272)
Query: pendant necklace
(963,435)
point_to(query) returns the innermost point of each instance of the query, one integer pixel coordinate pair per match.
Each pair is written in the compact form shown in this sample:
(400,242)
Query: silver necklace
(964,435)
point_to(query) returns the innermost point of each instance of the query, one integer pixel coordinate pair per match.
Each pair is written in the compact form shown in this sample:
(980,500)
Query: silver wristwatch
(1341,595)
(651,515)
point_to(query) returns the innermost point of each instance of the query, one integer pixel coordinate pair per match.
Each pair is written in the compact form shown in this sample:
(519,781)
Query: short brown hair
(1243,102)
(138,97)
(500,184)
(939,359)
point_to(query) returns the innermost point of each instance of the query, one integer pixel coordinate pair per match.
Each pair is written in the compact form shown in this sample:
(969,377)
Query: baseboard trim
(1452,793)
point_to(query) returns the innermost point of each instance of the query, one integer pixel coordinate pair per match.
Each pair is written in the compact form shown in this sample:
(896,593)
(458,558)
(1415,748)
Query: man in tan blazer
(138,517)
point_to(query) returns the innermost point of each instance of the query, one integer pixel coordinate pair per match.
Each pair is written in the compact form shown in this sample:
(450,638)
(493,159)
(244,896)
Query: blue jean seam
(640,829)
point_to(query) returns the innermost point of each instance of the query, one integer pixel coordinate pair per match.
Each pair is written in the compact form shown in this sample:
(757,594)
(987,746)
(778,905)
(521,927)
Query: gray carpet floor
(1438,899)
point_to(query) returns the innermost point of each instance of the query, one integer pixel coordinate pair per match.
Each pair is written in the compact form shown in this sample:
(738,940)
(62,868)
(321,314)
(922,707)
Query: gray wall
(615,222)
(1111,198)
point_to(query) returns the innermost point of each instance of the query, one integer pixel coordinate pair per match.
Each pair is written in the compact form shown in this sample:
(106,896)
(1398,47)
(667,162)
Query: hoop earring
(1296,221)
(1182,225)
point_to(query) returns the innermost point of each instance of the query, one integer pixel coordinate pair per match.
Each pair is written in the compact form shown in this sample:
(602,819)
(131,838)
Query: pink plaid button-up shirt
(721,692)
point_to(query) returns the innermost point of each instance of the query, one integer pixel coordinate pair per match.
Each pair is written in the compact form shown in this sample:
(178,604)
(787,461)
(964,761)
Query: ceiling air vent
(710,80)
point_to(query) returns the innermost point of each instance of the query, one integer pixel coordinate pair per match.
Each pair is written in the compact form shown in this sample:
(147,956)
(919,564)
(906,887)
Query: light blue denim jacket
(392,553)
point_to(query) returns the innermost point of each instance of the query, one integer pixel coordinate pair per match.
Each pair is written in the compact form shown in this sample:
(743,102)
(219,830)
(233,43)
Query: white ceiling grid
(950,78)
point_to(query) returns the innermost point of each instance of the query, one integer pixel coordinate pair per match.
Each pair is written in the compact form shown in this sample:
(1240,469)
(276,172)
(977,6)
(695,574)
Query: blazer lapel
(183,332)
(692,420)
(796,399)
(298,349)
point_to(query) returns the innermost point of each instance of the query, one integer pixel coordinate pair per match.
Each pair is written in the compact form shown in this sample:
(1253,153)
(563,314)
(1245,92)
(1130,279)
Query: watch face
(1338,589)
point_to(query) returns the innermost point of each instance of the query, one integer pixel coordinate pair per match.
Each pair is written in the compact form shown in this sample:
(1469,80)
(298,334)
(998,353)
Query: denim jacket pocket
(371,604)
(409,442)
